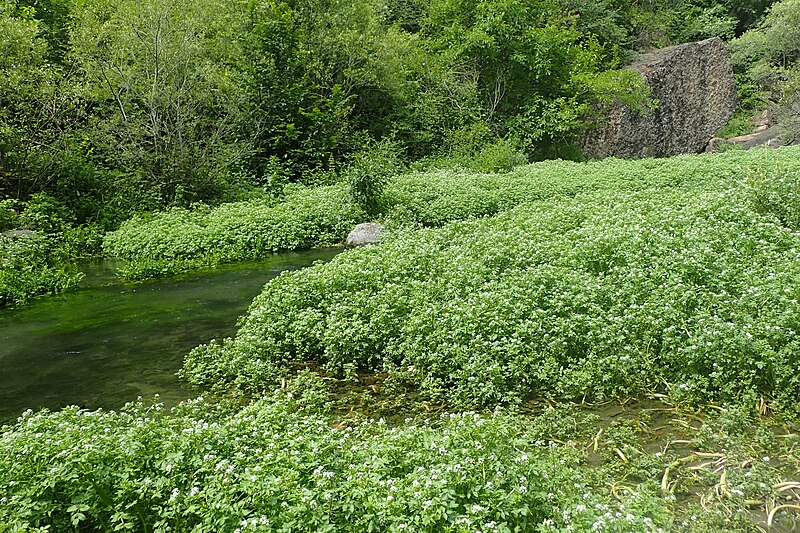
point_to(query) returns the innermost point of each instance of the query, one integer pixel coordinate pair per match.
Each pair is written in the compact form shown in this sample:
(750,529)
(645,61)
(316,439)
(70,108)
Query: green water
(109,343)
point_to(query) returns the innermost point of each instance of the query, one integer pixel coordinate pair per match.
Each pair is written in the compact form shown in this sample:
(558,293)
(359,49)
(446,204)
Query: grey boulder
(363,234)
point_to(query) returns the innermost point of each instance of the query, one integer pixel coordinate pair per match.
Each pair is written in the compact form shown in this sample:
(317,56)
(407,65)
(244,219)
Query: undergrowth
(609,294)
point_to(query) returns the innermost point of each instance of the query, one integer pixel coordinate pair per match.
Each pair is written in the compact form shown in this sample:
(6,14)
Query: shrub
(368,173)
(8,215)
(499,156)
(179,239)
(31,266)
(275,464)
(776,191)
(285,464)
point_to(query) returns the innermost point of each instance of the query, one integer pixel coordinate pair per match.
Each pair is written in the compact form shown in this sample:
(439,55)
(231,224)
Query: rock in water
(19,234)
(366,233)
(694,86)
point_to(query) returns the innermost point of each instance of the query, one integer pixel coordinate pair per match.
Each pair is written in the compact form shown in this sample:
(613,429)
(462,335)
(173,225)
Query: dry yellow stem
(771,515)
(621,455)
(721,488)
(597,439)
(786,485)
(665,480)
(708,454)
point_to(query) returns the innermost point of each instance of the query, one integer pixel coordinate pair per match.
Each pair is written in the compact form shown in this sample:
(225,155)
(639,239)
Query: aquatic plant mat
(180,239)
(311,457)
(474,371)
(687,292)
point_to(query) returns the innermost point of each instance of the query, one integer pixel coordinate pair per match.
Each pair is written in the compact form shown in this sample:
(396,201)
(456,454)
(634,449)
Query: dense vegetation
(289,462)
(198,132)
(41,261)
(179,239)
(765,59)
(672,278)
(676,289)
(111,109)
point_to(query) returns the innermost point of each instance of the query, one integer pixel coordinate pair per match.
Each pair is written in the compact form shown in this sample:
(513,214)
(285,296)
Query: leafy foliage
(151,104)
(285,463)
(179,239)
(161,67)
(766,62)
(30,266)
(368,173)
(609,293)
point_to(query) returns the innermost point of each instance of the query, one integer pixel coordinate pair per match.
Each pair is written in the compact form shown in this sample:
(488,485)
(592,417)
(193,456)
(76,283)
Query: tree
(536,75)
(38,109)
(158,70)
(324,77)
(767,57)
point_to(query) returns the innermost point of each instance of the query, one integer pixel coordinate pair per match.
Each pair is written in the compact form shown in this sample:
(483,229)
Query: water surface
(108,343)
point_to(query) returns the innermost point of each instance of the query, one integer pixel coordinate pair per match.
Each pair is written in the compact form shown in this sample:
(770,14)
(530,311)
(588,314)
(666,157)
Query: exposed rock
(366,233)
(765,120)
(19,234)
(694,86)
(770,138)
(766,137)
(715,144)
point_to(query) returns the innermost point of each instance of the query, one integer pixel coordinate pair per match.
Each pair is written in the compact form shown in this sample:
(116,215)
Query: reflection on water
(108,343)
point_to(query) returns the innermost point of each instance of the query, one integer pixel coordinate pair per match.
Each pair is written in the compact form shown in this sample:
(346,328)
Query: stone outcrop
(695,91)
(363,234)
(19,234)
(766,134)
(769,138)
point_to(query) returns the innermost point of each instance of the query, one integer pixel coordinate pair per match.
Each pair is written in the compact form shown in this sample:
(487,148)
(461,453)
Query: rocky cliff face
(696,94)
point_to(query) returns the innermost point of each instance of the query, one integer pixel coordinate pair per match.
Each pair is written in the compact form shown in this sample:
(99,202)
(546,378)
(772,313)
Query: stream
(108,343)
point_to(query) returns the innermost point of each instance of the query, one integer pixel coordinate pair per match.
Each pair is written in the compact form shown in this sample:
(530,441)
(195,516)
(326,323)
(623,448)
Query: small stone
(19,234)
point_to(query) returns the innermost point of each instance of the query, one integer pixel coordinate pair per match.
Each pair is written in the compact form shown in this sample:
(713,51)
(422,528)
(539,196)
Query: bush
(180,239)
(776,191)
(45,214)
(9,219)
(499,156)
(285,464)
(368,173)
(30,266)
(275,464)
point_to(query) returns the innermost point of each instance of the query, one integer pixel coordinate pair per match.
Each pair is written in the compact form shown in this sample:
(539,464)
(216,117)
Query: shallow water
(108,343)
